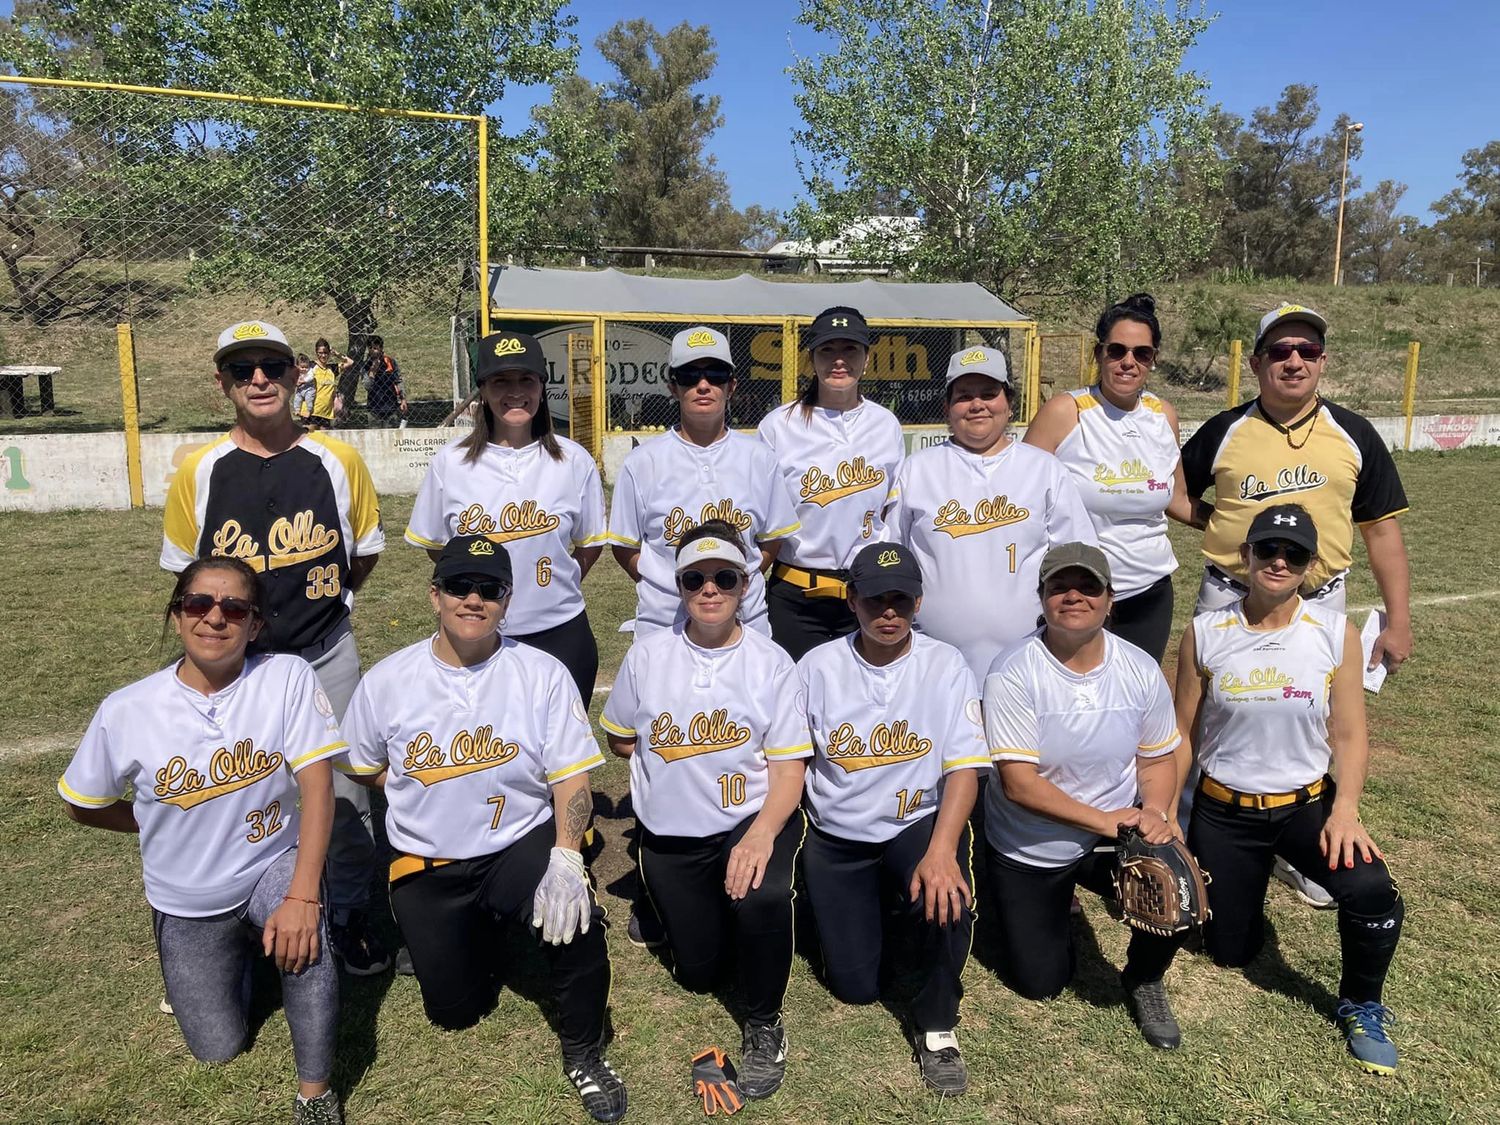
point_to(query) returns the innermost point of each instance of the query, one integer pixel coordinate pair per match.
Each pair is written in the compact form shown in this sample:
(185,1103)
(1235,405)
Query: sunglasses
(1144,354)
(1268,549)
(234,610)
(244,372)
(726,581)
(490,589)
(689,376)
(1281,352)
(1087,585)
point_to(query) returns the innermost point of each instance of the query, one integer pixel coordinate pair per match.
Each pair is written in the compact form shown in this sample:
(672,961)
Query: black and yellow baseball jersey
(1332,462)
(297,519)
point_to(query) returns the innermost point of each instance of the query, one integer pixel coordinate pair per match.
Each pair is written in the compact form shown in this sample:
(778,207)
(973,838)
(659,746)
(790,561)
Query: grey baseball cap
(252,334)
(980,361)
(1066,556)
(700,342)
(1283,313)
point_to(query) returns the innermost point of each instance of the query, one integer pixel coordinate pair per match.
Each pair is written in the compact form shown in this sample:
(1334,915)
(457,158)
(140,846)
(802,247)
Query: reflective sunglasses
(244,372)
(726,581)
(490,589)
(235,610)
(1268,549)
(689,376)
(1144,354)
(1281,351)
(1086,584)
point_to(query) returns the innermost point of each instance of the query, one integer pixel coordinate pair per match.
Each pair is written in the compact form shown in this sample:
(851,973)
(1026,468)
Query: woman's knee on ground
(853,983)
(219,1043)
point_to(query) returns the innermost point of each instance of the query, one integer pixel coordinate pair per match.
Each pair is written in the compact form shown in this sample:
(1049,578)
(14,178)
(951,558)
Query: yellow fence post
(483,128)
(1033,374)
(600,379)
(1413,350)
(130,399)
(789,359)
(1236,350)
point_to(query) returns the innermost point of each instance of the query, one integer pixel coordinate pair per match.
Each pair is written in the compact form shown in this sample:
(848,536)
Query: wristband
(297,898)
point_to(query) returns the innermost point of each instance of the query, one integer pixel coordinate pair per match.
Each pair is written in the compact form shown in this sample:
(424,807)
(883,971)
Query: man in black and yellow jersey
(301,510)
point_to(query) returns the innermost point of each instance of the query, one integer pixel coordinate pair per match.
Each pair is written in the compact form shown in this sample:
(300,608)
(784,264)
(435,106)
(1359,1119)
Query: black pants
(1238,848)
(844,883)
(800,623)
(707,930)
(1145,619)
(1036,932)
(446,916)
(573,643)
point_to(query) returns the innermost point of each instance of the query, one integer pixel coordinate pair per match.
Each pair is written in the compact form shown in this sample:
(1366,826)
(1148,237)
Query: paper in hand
(1374,625)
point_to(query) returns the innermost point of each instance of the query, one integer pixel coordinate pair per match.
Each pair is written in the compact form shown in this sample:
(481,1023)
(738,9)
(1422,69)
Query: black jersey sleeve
(1378,493)
(1202,450)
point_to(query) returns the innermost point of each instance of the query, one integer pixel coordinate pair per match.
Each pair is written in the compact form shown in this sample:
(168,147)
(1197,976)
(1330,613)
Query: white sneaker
(165,1008)
(1308,891)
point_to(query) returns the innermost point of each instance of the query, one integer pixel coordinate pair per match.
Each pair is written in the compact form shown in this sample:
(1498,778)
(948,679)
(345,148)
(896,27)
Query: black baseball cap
(838,323)
(509,351)
(473,556)
(884,568)
(1287,522)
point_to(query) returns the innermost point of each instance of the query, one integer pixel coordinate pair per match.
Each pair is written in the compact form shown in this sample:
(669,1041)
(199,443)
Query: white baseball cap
(710,547)
(980,361)
(1283,313)
(700,342)
(253,333)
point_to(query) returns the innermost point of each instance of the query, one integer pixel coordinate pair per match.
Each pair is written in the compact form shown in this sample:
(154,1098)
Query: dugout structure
(607,336)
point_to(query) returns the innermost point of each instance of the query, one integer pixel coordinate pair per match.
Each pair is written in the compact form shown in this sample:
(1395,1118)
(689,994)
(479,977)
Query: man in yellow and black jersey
(301,510)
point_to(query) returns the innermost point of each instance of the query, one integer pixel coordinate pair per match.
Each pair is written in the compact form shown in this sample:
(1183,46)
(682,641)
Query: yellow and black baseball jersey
(297,519)
(1331,461)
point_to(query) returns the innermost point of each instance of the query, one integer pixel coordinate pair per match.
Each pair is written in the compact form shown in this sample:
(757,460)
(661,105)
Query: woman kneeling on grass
(1257,685)
(220,750)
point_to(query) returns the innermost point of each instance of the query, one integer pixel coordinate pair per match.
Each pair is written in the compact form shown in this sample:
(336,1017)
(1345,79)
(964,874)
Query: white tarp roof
(520,289)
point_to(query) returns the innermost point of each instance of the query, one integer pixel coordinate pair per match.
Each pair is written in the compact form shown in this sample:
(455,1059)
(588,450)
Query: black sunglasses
(1086,584)
(1144,354)
(244,372)
(726,581)
(234,610)
(689,376)
(1281,351)
(1268,549)
(490,589)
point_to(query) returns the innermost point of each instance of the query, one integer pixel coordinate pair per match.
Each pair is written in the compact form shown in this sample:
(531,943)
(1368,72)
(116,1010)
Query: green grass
(82,1041)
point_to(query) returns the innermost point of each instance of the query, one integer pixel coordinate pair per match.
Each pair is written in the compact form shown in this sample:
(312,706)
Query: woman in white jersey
(1270,693)
(980,510)
(516,482)
(1121,444)
(897,737)
(226,760)
(483,748)
(711,716)
(699,470)
(1081,727)
(839,453)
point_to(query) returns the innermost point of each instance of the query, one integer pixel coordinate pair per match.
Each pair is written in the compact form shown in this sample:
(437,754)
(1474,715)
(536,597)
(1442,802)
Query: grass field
(81,1039)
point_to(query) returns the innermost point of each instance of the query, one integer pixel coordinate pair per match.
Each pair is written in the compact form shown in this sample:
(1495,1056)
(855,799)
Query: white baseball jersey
(706,723)
(979,527)
(839,467)
(211,778)
(885,738)
(473,753)
(1082,732)
(1264,725)
(542,510)
(668,486)
(1123,462)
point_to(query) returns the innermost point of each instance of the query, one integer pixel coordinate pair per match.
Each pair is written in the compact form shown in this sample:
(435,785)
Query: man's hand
(1393,645)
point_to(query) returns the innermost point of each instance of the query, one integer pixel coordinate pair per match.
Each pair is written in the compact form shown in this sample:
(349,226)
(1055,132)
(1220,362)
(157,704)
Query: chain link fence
(181,213)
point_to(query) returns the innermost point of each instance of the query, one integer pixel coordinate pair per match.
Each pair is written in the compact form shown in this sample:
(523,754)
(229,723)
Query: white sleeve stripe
(321,752)
(73,797)
(578,767)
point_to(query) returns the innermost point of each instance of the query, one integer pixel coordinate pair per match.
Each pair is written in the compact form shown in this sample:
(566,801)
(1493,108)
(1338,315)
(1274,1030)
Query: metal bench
(13,388)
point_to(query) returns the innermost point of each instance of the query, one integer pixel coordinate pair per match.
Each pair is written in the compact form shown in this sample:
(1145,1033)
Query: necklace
(1310,420)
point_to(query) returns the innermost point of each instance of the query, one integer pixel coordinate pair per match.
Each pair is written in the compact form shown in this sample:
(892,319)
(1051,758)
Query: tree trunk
(358,312)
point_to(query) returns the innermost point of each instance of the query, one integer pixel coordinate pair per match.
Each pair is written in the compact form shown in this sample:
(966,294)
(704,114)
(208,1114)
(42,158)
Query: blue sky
(1424,78)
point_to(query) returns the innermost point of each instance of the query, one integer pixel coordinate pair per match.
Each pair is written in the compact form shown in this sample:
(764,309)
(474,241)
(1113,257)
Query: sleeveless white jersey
(1082,732)
(885,738)
(706,722)
(979,527)
(473,753)
(210,777)
(542,510)
(839,467)
(1123,463)
(1264,726)
(668,486)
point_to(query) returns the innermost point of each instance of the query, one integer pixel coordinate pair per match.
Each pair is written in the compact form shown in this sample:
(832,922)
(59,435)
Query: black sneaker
(938,1058)
(647,935)
(598,1085)
(1152,1013)
(321,1110)
(358,948)
(763,1061)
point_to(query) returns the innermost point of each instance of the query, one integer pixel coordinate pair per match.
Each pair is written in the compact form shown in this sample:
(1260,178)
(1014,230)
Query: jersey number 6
(543,571)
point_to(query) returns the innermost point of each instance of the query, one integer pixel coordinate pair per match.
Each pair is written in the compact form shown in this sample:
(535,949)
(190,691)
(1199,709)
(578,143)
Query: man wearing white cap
(301,510)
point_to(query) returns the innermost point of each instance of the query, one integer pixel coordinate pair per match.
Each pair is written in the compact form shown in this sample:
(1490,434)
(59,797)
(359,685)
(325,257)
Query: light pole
(1338,239)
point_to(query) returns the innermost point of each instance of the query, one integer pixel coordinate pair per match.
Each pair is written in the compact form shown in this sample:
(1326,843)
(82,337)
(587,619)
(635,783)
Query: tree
(1281,187)
(1468,226)
(1051,140)
(1380,243)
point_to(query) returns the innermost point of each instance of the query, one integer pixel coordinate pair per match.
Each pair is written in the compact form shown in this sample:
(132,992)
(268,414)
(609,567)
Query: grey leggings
(206,965)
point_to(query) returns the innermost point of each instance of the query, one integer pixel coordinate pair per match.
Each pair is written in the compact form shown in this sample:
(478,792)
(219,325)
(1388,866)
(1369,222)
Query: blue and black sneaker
(1364,1031)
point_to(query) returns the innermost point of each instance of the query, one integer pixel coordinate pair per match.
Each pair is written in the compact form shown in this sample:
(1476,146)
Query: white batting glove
(562,905)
